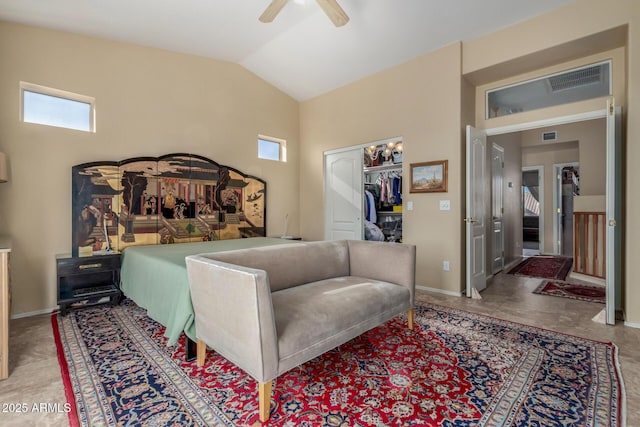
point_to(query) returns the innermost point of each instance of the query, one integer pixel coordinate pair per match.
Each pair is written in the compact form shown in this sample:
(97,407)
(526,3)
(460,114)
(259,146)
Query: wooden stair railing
(589,248)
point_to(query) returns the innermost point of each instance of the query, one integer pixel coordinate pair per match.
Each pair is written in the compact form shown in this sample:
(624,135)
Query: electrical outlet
(445,265)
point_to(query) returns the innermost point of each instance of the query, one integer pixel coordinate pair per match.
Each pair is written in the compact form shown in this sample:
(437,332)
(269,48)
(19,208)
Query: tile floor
(35,374)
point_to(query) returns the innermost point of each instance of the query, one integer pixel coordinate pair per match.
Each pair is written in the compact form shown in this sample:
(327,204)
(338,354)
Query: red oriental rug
(591,293)
(544,267)
(455,368)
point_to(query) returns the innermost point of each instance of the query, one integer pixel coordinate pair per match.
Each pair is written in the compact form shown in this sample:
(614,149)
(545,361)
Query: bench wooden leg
(202,353)
(410,318)
(264,397)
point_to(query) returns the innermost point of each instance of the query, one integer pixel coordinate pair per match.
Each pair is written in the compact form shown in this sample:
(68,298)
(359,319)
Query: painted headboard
(174,198)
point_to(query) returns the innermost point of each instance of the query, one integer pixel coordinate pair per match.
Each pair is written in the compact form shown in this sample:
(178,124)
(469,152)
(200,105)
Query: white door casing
(343,194)
(476,148)
(614,212)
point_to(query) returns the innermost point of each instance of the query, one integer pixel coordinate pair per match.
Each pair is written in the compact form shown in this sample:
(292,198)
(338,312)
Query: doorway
(567,186)
(532,210)
(612,196)
(497,207)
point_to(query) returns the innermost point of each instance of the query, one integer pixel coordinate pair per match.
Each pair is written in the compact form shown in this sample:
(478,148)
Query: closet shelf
(395,166)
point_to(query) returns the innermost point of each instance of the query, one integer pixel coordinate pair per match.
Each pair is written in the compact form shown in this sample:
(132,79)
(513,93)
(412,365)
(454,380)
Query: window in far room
(271,148)
(54,107)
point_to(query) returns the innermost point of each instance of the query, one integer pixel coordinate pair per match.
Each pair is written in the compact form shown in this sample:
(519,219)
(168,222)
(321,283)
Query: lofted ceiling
(300,52)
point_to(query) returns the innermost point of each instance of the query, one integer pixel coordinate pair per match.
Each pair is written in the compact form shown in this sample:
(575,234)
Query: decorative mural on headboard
(174,198)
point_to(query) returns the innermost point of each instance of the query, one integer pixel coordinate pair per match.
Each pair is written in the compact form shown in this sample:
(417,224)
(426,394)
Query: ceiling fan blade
(334,12)
(272,10)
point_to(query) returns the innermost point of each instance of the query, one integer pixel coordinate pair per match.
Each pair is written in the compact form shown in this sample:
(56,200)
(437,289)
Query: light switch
(445,205)
(409,205)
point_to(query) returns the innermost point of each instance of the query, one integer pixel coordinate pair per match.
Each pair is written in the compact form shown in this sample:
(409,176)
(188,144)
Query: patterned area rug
(544,267)
(591,293)
(455,368)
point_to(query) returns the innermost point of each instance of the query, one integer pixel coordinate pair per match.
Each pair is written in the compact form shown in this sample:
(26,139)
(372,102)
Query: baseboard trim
(512,264)
(632,324)
(34,313)
(439,291)
(587,278)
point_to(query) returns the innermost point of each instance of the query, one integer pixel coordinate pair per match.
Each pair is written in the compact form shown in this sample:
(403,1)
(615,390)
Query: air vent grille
(577,78)
(550,136)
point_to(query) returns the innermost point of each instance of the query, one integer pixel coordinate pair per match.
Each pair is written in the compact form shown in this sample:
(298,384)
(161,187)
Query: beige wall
(420,101)
(149,102)
(591,138)
(528,46)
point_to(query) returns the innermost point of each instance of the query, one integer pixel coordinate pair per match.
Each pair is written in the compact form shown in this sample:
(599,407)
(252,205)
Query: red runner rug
(544,267)
(454,368)
(591,293)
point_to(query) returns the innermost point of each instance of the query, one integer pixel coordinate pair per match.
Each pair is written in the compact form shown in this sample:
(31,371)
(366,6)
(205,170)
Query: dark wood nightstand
(88,281)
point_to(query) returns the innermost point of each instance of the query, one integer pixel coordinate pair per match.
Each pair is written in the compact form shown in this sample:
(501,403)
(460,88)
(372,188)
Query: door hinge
(611,105)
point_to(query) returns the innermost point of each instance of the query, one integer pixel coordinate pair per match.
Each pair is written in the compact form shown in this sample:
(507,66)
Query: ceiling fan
(330,7)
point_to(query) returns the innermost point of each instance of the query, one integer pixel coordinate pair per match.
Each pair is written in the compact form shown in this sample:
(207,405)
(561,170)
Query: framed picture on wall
(429,177)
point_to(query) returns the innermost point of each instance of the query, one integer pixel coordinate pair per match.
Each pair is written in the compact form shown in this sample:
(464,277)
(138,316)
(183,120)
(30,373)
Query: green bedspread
(155,278)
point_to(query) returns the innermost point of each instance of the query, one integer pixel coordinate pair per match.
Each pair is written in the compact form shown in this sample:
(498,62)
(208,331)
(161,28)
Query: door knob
(470,220)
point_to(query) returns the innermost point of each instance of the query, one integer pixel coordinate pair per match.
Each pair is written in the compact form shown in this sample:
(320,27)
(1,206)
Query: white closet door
(343,194)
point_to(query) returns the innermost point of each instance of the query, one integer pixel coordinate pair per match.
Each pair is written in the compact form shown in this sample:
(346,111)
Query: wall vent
(550,136)
(576,78)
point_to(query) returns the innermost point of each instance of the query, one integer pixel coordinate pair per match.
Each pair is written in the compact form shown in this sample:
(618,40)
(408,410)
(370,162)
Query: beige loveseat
(270,309)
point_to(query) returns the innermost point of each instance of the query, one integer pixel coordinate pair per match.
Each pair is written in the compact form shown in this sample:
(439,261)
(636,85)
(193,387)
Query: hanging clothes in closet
(390,188)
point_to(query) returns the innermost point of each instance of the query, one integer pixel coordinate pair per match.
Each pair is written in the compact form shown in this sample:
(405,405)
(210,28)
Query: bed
(156,211)
(155,278)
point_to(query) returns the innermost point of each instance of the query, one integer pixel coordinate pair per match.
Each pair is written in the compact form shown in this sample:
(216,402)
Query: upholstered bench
(270,309)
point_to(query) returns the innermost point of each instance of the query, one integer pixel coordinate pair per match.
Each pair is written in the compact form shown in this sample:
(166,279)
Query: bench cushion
(319,316)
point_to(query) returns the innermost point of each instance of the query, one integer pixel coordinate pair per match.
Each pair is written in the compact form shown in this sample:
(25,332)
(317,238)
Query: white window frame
(282,154)
(58,93)
(546,76)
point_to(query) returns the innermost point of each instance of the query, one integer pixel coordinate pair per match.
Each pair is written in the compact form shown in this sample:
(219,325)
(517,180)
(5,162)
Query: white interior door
(497,197)
(614,211)
(476,214)
(557,211)
(343,194)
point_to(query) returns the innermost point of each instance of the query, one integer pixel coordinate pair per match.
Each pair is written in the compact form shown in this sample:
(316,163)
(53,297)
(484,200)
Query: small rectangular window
(54,107)
(579,84)
(270,148)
